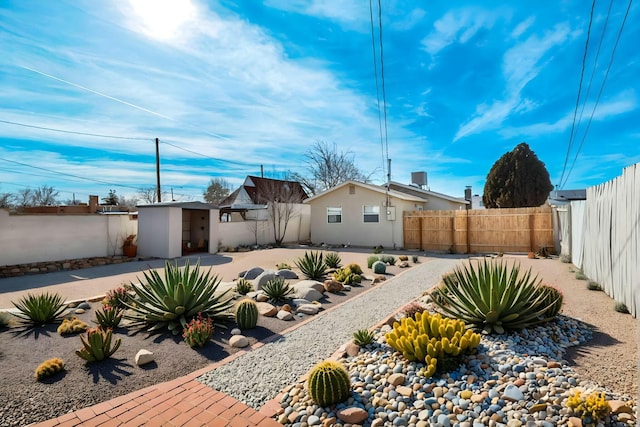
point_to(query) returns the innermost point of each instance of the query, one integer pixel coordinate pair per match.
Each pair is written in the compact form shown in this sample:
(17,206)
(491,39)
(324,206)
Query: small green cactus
(621,307)
(243,286)
(247,314)
(329,383)
(580,275)
(48,368)
(414,259)
(379,267)
(593,286)
(372,259)
(97,345)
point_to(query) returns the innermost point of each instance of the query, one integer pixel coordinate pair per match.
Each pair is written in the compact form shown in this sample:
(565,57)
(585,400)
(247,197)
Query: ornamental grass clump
(312,265)
(170,302)
(40,309)
(198,331)
(492,296)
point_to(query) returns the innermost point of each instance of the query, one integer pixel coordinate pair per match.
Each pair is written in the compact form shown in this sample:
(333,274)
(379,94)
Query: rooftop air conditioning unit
(419,179)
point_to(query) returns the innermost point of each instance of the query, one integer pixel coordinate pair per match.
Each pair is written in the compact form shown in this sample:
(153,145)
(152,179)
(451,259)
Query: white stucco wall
(160,232)
(50,237)
(353,230)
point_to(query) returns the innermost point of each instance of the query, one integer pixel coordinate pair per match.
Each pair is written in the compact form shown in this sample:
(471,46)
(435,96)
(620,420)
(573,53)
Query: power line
(384,95)
(375,72)
(604,80)
(575,111)
(68,174)
(205,155)
(73,132)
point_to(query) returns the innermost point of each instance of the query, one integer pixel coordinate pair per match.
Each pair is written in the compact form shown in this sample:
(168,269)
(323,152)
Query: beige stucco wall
(353,230)
(44,237)
(436,204)
(236,233)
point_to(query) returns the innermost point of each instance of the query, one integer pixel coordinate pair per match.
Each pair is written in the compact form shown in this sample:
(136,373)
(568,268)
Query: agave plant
(109,317)
(363,337)
(243,286)
(40,309)
(97,345)
(277,289)
(312,265)
(493,297)
(332,260)
(171,302)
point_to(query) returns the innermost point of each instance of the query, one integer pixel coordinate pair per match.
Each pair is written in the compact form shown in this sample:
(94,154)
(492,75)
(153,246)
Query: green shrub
(312,265)
(388,259)
(171,302)
(565,258)
(371,260)
(48,368)
(593,286)
(329,383)
(247,314)
(493,297)
(621,307)
(97,345)
(72,325)
(198,331)
(414,258)
(363,337)
(355,268)
(580,275)
(378,249)
(40,309)
(332,260)
(109,317)
(243,286)
(277,289)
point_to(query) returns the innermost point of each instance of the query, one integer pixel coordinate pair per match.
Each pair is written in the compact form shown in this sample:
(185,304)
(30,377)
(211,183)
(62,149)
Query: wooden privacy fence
(482,230)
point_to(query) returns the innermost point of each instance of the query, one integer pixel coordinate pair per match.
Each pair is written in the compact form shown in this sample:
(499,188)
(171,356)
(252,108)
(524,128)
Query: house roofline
(431,193)
(376,188)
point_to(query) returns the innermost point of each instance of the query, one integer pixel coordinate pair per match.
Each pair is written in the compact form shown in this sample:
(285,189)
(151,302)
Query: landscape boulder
(143,357)
(332,286)
(253,273)
(263,278)
(287,274)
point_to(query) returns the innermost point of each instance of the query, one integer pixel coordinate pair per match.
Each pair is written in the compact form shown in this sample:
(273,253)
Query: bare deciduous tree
(328,168)
(44,196)
(217,191)
(150,195)
(24,197)
(6,200)
(281,200)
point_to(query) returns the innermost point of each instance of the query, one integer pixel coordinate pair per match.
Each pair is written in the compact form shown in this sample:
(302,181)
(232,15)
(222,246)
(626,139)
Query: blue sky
(228,86)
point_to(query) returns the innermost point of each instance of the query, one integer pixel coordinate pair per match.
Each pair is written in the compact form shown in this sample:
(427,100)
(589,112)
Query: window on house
(371,213)
(334,215)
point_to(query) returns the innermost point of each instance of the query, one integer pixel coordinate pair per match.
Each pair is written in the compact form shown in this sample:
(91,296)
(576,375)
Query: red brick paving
(181,402)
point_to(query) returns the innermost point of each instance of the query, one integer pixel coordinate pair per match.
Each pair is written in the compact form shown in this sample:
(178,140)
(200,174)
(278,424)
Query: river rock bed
(514,379)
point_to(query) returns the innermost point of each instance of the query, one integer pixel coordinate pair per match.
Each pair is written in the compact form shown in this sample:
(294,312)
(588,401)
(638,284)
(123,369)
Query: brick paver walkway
(180,402)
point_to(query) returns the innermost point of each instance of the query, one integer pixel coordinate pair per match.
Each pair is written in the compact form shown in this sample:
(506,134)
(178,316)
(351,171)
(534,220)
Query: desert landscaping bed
(609,359)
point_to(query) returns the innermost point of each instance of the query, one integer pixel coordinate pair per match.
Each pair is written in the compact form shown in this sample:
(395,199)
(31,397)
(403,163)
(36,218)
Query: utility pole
(158,170)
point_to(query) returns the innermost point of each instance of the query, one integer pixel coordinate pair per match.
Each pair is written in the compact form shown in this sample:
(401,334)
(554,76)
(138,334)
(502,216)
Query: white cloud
(521,64)
(457,26)
(522,27)
(351,14)
(408,21)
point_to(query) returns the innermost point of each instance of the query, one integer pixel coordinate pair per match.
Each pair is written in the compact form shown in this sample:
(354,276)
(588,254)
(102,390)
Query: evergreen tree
(518,179)
(111,199)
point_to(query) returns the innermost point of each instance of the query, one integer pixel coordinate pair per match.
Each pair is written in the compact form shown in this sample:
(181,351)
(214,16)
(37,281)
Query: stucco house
(359,214)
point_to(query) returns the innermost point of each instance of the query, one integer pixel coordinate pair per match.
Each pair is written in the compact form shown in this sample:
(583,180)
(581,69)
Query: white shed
(173,229)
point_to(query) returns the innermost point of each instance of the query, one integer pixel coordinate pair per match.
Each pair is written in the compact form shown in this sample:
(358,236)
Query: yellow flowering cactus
(428,338)
(594,406)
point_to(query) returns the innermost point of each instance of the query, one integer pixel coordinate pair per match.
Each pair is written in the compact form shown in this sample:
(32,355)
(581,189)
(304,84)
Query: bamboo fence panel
(490,230)
(612,237)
